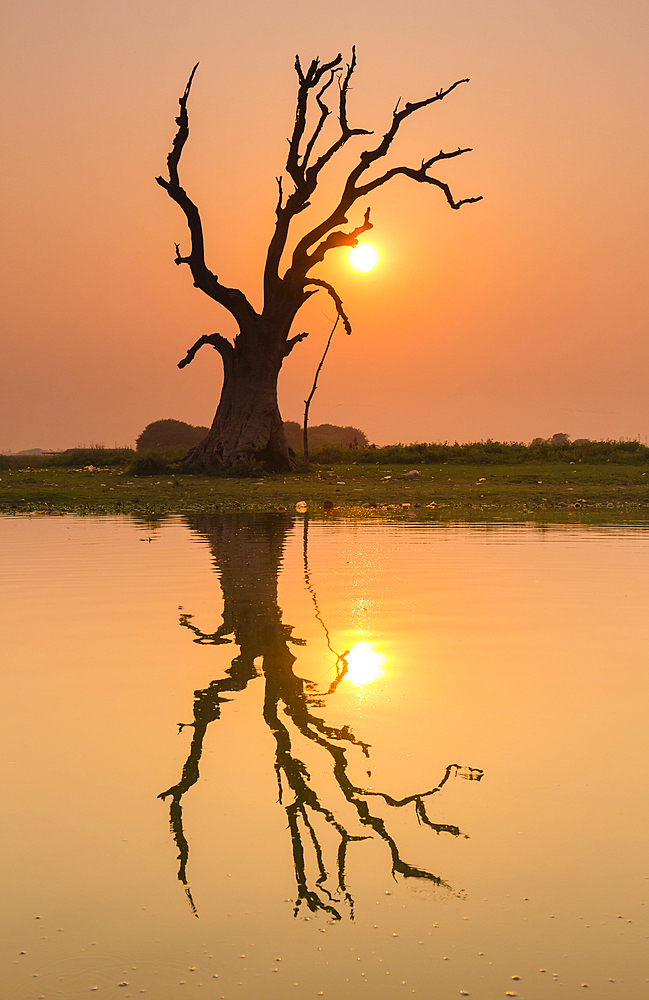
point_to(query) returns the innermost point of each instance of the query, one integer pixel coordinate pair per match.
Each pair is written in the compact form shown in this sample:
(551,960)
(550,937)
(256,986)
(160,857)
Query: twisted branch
(338,302)
(219,343)
(231,298)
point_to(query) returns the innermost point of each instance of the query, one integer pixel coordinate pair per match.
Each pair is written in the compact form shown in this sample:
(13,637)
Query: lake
(268,757)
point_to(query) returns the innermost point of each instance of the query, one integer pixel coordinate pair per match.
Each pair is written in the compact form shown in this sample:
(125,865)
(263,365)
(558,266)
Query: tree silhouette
(248,562)
(163,434)
(247,424)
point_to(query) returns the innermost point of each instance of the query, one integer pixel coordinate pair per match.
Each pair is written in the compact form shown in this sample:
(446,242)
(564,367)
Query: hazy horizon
(514,318)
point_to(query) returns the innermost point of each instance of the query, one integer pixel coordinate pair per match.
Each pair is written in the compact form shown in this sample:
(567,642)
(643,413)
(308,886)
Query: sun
(364,257)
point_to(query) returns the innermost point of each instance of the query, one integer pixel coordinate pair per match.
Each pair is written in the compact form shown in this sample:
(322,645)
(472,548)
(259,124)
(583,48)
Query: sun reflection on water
(365,664)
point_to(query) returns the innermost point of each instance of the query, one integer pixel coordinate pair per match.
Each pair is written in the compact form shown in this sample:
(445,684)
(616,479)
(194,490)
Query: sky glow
(520,316)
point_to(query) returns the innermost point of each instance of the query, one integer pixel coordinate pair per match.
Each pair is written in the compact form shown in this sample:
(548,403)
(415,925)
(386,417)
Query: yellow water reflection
(516,650)
(365,664)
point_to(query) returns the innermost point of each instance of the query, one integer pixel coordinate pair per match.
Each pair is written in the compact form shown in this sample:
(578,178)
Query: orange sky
(517,317)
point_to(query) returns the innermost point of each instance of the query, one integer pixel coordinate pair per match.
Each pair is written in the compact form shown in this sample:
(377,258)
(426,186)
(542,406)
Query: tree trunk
(247,425)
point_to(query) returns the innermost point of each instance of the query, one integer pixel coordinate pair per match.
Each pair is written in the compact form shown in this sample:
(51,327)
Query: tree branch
(324,114)
(231,299)
(302,261)
(219,343)
(280,196)
(305,177)
(182,134)
(338,302)
(339,239)
(422,176)
(346,132)
(307,82)
(290,344)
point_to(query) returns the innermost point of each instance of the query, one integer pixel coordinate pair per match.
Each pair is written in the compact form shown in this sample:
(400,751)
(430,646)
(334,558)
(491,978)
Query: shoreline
(559,490)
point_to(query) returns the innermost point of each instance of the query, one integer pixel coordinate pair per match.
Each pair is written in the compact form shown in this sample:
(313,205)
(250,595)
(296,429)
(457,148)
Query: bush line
(476,453)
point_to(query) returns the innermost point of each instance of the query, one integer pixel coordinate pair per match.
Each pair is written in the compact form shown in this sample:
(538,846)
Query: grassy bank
(563,488)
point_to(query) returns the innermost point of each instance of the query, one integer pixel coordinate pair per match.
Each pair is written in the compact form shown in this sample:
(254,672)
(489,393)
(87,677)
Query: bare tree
(248,424)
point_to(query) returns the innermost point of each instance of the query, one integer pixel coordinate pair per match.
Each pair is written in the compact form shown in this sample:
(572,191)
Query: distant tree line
(164,434)
(322,435)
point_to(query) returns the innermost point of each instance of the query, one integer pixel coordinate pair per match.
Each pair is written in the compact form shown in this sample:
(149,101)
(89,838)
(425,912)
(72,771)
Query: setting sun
(364,664)
(363,257)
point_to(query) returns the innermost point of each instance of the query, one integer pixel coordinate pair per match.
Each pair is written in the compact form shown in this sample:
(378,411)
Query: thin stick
(307,402)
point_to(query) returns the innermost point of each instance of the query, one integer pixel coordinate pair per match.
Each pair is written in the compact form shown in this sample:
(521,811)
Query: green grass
(563,490)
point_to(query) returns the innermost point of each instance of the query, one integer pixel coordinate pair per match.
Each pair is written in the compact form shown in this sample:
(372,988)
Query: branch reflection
(247,557)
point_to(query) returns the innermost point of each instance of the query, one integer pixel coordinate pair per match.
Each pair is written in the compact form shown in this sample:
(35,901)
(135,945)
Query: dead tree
(248,425)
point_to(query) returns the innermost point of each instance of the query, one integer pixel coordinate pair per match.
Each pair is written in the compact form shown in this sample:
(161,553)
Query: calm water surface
(261,759)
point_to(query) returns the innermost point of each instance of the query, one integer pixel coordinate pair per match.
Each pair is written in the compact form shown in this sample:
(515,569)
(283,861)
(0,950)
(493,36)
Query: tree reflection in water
(247,556)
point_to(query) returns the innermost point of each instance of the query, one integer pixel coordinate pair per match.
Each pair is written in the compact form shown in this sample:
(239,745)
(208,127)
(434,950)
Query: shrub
(163,434)
(73,458)
(98,456)
(322,435)
(492,453)
(150,463)
(330,454)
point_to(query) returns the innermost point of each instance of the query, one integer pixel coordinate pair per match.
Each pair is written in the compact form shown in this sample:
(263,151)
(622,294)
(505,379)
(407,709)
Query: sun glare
(363,257)
(364,664)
